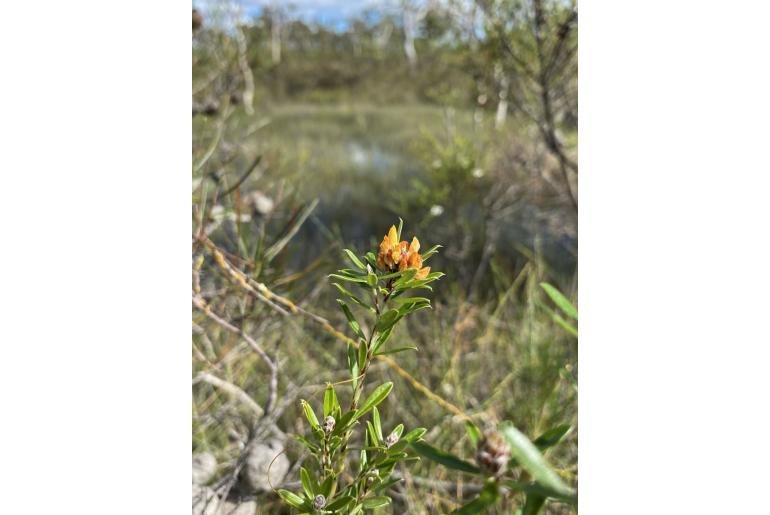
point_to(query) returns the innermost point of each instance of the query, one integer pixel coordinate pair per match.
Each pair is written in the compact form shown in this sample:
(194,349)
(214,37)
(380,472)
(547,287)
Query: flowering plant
(331,485)
(506,460)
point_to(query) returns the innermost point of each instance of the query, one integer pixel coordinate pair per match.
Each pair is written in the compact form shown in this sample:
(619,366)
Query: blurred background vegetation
(311,134)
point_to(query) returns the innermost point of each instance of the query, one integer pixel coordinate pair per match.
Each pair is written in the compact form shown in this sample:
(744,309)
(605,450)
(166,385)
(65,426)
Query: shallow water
(357,160)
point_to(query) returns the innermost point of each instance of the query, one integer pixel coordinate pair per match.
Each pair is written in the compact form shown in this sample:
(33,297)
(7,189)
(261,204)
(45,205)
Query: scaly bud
(329,423)
(319,502)
(493,454)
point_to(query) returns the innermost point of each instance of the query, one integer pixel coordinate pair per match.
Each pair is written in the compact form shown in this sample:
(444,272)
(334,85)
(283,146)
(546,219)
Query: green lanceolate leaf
(374,441)
(410,300)
(397,350)
(430,252)
(376,502)
(362,461)
(381,339)
(444,458)
(398,447)
(406,309)
(565,325)
(349,278)
(474,433)
(331,404)
(371,259)
(291,498)
(415,434)
(536,489)
(559,320)
(377,396)
(351,319)
(349,272)
(301,439)
(530,458)
(377,425)
(552,436)
(393,275)
(309,414)
(362,353)
(387,484)
(488,496)
(352,297)
(353,364)
(406,276)
(354,259)
(328,486)
(560,300)
(387,320)
(344,422)
(339,503)
(308,485)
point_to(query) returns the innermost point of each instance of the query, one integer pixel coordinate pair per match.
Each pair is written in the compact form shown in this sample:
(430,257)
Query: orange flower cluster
(395,255)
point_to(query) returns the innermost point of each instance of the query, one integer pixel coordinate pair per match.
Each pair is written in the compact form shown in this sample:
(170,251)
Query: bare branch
(201,305)
(231,389)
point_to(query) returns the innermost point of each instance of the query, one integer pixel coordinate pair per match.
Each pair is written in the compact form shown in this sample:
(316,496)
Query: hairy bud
(493,454)
(329,423)
(319,502)
(391,440)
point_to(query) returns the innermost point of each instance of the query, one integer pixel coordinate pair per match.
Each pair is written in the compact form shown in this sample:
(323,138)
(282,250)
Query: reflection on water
(370,156)
(358,164)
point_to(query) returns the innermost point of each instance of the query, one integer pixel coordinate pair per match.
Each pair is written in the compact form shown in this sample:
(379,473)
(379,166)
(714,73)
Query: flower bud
(319,502)
(329,423)
(372,476)
(493,454)
(391,440)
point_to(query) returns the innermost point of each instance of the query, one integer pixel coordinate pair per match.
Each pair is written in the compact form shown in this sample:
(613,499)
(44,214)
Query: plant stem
(369,352)
(360,383)
(359,388)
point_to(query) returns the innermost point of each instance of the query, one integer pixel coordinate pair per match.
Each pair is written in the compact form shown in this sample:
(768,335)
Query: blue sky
(332,13)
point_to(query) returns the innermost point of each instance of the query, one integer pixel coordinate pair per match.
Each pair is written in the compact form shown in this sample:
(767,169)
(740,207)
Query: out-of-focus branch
(271,363)
(538,77)
(543,78)
(261,292)
(245,175)
(202,306)
(214,142)
(231,389)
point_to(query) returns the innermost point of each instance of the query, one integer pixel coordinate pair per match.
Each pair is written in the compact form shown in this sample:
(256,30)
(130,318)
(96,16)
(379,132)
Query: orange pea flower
(400,255)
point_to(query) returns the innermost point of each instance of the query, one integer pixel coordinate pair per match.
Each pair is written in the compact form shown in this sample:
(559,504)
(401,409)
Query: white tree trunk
(502,96)
(409,32)
(248,77)
(275,38)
